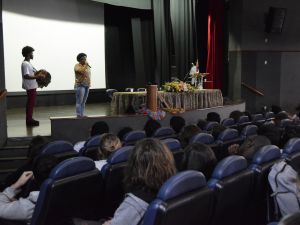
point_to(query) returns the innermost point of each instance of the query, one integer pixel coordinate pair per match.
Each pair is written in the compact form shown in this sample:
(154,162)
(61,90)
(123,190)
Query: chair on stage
(73,189)
(110,93)
(183,199)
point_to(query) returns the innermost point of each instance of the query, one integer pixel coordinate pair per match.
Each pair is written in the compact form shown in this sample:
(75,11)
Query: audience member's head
(216,130)
(150,165)
(188,132)
(35,147)
(291,219)
(280,116)
(43,167)
(251,145)
(177,123)
(247,113)
(275,109)
(235,115)
(201,124)
(99,128)
(108,144)
(272,132)
(150,127)
(121,134)
(199,157)
(213,117)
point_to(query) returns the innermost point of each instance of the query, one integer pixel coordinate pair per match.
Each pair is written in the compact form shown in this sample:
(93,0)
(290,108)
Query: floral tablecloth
(199,99)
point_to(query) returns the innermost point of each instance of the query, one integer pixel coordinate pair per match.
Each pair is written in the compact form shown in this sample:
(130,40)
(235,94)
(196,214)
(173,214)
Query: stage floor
(16,126)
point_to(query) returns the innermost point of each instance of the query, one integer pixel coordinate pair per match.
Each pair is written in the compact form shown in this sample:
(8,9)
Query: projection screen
(58,30)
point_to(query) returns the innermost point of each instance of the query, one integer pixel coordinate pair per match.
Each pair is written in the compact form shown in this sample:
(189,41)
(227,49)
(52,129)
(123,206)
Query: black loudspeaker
(275,20)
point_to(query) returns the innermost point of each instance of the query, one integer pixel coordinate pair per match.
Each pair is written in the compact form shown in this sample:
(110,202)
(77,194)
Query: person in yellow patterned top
(82,83)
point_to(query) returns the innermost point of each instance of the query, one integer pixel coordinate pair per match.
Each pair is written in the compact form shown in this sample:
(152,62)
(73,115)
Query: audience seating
(73,189)
(233,185)
(164,132)
(228,122)
(113,174)
(249,131)
(286,122)
(258,119)
(175,147)
(269,115)
(133,136)
(202,138)
(91,145)
(210,125)
(60,149)
(291,150)
(183,199)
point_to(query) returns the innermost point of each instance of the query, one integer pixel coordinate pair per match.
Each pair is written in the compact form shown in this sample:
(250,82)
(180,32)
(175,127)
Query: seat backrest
(232,182)
(227,135)
(133,136)
(202,138)
(248,131)
(183,199)
(113,174)
(228,122)
(285,122)
(73,189)
(91,146)
(291,150)
(243,119)
(110,93)
(141,89)
(257,117)
(164,132)
(210,125)
(175,147)
(269,115)
(60,149)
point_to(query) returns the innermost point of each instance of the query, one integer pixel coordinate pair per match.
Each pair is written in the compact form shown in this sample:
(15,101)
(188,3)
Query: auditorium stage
(59,122)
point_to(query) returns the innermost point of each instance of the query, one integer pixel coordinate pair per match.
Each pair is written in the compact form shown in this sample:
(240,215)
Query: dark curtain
(162,26)
(215,44)
(184,35)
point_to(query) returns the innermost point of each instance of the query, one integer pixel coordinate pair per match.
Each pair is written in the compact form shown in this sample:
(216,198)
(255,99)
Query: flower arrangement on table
(178,86)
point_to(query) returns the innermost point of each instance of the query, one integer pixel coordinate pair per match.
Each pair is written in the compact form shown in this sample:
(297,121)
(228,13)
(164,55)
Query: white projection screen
(58,30)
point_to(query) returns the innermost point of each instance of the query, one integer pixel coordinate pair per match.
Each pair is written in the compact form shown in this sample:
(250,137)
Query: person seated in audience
(98,128)
(280,116)
(272,132)
(150,127)
(199,157)
(284,179)
(291,219)
(201,124)
(149,166)
(34,149)
(276,109)
(235,115)
(249,147)
(247,113)
(177,123)
(121,134)
(108,144)
(22,209)
(213,117)
(216,130)
(188,132)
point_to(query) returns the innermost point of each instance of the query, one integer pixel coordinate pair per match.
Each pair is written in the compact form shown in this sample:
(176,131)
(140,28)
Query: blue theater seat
(91,146)
(228,122)
(184,199)
(210,125)
(291,150)
(73,189)
(249,131)
(202,138)
(261,163)
(269,116)
(60,149)
(233,185)
(113,174)
(175,147)
(133,136)
(164,132)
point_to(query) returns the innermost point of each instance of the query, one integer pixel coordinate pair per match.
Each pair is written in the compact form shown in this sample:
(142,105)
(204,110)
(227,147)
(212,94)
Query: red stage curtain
(215,44)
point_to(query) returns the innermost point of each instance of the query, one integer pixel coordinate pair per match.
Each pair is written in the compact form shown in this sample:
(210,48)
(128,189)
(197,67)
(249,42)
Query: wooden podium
(152,97)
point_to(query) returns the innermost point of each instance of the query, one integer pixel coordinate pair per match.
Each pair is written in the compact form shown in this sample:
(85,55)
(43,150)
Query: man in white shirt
(29,84)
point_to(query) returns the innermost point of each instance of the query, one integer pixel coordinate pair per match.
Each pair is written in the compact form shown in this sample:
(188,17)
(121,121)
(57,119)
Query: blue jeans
(82,93)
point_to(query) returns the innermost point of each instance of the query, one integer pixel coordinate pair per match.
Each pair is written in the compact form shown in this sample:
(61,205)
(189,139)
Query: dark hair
(202,124)
(150,165)
(272,132)
(235,115)
(108,144)
(275,109)
(213,117)
(150,127)
(26,51)
(199,157)
(99,128)
(216,130)
(247,113)
(79,56)
(42,168)
(177,123)
(121,134)
(35,147)
(251,145)
(290,219)
(188,132)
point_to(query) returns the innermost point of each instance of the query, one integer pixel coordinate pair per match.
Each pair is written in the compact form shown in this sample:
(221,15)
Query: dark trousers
(31,96)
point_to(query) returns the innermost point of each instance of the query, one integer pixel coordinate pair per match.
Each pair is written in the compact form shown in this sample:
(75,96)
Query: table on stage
(199,99)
